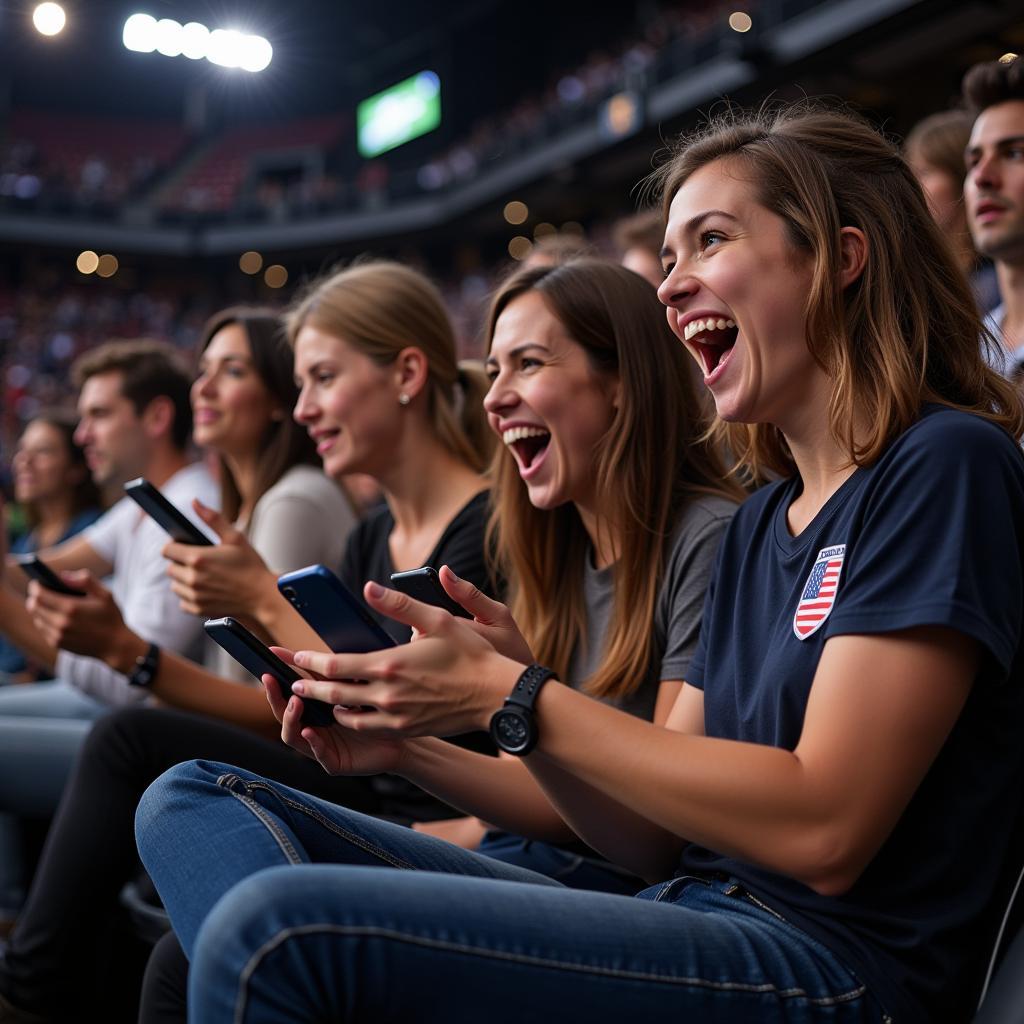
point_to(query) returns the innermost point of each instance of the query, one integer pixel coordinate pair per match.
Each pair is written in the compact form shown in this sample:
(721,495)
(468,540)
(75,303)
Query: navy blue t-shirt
(931,534)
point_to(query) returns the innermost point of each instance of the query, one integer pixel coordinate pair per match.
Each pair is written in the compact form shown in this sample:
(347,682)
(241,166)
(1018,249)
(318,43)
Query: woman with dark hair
(55,489)
(831,812)
(293,515)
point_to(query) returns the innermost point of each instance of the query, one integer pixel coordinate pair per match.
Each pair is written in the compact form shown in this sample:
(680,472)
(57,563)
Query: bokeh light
(519,247)
(107,265)
(740,21)
(49,19)
(250,262)
(87,262)
(275,276)
(516,212)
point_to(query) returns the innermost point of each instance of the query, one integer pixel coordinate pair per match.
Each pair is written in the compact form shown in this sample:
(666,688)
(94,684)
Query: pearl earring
(403,399)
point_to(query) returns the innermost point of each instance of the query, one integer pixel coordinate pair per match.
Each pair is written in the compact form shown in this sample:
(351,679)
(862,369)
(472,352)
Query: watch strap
(146,667)
(529,684)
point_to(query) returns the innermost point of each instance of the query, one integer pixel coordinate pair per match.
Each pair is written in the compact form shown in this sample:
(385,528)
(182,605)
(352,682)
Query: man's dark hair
(993,82)
(149,370)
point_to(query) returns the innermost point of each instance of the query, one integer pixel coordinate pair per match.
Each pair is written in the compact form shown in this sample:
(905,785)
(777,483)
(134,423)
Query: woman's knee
(179,790)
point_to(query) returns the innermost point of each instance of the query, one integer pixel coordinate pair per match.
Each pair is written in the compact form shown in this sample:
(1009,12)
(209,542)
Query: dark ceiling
(328,54)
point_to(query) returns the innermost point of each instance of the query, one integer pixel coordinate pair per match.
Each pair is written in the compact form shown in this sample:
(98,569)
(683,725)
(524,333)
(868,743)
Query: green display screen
(405,111)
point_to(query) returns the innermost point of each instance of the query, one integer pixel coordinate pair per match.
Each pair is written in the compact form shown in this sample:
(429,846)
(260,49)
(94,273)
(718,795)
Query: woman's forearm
(183,684)
(498,790)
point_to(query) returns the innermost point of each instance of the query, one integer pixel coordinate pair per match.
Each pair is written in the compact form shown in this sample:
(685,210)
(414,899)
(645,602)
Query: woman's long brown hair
(651,461)
(907,331)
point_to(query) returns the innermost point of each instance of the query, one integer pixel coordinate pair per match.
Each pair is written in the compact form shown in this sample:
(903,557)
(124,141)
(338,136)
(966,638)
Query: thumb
(84,580)
(424,618)
(215,520)
(472,598)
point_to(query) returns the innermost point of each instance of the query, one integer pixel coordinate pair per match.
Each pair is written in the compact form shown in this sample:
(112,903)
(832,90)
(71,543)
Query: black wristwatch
(146,668)
(513,726)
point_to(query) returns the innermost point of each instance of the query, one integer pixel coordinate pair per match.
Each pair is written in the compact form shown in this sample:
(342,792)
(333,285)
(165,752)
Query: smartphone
(424,585)
(253,654)
(341,619)
(36,569)
(172,519)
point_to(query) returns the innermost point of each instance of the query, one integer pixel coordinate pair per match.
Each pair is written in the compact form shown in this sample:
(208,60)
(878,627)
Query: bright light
(168,37)
(1007,58)
(87,262)
(226,47)
(195,40)
(740,21)
(140,33)
(49,19)
(257,53)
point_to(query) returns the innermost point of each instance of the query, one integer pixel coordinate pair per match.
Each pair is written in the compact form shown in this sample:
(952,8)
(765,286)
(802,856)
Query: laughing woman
(853,711)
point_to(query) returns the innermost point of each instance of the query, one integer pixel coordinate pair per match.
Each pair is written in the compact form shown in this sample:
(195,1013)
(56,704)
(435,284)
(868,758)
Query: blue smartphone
(253,654)
(340,618)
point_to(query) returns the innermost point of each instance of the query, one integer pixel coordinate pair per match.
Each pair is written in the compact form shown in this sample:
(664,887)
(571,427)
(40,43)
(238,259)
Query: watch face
(511,730)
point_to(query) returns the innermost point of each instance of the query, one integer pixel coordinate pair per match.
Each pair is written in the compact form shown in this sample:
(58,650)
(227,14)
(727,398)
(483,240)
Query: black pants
(89,853)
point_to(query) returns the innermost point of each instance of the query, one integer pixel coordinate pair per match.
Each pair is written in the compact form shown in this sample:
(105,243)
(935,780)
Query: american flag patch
(819,593)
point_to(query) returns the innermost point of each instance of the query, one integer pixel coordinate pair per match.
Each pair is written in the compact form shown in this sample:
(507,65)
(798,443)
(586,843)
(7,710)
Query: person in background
(381,394)
(852,712)
(638,239)
(994,194)
(58,498)
(935,151)
(135,420)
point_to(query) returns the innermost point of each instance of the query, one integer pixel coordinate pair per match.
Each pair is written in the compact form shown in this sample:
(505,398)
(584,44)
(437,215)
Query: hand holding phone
(254,655)
(36,569)
(172,519)
(424,585)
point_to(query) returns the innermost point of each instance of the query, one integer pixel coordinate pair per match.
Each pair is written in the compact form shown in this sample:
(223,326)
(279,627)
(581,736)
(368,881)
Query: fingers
(422,617)
(275,697)
(474,600)
(216,521)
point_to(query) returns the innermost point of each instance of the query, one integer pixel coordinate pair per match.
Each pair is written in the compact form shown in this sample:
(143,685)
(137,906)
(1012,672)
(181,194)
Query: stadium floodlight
(227,47)
(140,33)
(195,41)
(49,19)
(168,37)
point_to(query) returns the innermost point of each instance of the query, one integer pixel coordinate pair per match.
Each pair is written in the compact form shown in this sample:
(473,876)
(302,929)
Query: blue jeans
(292,909)
(575,870)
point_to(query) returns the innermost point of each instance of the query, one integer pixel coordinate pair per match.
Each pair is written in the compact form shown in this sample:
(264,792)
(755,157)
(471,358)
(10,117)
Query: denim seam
(351,837)
(282,840)
(456,947)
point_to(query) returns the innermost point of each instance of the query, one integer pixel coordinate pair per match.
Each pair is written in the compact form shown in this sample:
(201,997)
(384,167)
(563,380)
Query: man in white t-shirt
(135,420)
(994,193)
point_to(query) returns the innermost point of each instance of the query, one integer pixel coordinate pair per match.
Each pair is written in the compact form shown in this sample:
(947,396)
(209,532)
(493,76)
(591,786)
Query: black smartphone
(36,569)
(424,585)
(340,618)
(172,519)
(255,656)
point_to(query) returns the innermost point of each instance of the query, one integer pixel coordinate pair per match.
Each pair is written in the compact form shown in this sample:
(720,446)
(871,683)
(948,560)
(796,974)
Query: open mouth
(325,440)
(711,339)
(527,443)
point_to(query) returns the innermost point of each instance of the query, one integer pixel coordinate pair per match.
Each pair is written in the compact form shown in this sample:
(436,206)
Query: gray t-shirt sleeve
(687,573)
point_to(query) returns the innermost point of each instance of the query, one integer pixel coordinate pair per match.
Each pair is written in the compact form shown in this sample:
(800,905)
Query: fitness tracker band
(146,668)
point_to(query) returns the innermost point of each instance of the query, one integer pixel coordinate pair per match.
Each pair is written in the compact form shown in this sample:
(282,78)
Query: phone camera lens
(289,592)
